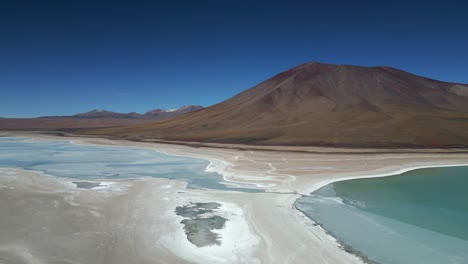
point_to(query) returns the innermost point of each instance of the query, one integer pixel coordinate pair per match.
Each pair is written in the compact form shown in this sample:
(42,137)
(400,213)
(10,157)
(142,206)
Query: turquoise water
(91,162)
(420,216)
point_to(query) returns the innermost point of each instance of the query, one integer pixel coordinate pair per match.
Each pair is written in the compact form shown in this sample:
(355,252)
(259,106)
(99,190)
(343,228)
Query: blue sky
(65,57)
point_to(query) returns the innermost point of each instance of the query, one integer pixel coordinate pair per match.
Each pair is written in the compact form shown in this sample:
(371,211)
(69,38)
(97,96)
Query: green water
(420,216)
(435,198)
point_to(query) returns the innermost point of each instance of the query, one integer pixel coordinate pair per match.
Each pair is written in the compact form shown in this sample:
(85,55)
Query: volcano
(326,105)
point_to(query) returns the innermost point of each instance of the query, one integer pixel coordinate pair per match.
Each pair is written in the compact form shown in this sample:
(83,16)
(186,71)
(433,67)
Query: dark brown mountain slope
(324,104)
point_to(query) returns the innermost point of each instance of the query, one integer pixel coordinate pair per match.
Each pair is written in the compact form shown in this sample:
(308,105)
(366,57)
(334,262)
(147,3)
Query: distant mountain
(330,105)
(155,114)
(104,113)
(164,114)
(91,119)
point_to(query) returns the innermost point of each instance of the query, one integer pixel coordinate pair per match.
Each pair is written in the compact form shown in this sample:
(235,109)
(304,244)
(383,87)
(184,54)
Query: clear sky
(64,57)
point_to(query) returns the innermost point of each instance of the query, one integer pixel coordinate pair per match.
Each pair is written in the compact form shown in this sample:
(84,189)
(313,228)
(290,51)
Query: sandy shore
(50,220)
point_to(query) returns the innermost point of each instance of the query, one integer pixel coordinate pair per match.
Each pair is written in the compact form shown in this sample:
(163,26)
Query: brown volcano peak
(325,104)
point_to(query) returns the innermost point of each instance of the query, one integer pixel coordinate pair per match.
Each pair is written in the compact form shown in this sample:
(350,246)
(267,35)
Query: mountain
(107,114)
(164,114)
(327,105)
(155,114)
(91,119)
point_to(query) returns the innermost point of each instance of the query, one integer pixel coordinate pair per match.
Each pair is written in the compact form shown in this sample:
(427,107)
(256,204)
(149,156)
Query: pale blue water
(419,216)
(64,159)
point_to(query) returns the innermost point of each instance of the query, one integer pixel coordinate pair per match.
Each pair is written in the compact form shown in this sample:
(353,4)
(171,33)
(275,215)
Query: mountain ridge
(326,104)
(106,113)
(91,119)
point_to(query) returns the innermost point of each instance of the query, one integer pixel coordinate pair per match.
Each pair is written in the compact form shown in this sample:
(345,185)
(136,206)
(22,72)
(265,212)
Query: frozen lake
(92,162)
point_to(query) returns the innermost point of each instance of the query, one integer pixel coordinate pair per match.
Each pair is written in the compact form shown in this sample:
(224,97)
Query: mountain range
(91,119)
(155,114)
(326,105)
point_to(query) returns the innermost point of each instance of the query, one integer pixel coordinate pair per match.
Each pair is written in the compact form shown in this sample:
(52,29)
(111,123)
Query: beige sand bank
(49,220)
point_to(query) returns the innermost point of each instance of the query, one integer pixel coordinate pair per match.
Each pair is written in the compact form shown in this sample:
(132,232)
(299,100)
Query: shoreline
(343,246)
(351,249)
(290,184)
(389,174)
(308,149)
(221,167)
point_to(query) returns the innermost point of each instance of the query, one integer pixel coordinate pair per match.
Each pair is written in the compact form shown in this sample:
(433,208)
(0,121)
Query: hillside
(329,105)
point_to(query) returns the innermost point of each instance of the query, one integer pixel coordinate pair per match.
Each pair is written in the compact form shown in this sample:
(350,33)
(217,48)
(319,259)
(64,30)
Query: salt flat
(50,220)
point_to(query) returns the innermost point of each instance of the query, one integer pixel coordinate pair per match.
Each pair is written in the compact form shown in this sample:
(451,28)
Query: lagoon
(93,162)
(420,216)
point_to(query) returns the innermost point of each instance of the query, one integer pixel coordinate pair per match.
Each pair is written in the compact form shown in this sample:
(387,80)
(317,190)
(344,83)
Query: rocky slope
(330,105)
